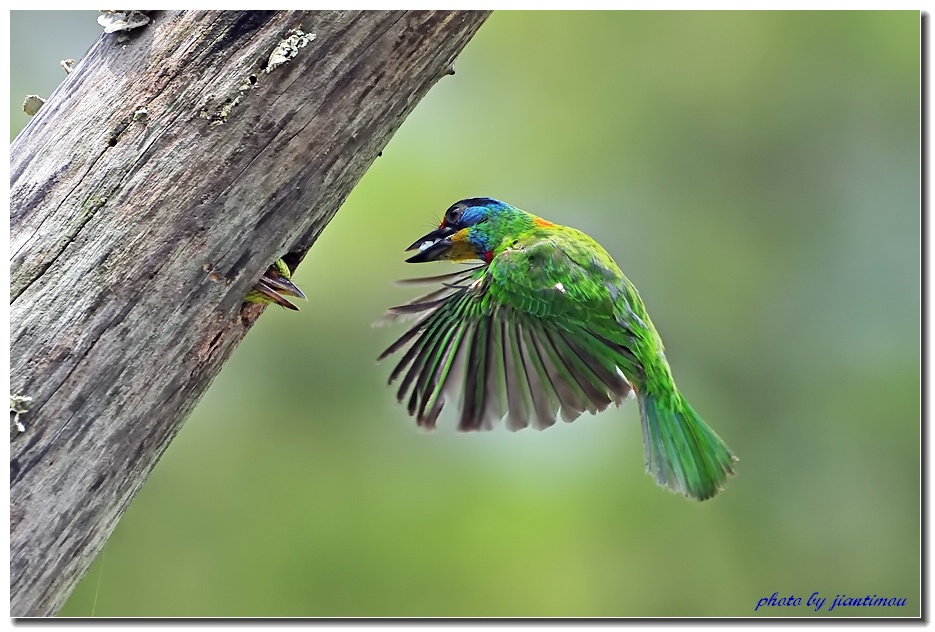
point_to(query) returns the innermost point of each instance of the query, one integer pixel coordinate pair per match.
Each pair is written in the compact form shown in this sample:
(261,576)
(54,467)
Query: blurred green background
(756,174)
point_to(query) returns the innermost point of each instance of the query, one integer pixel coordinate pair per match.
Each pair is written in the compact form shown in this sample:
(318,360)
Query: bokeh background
(756,174)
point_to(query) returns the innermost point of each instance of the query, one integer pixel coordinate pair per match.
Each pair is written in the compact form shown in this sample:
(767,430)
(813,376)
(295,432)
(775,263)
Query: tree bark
(149,194)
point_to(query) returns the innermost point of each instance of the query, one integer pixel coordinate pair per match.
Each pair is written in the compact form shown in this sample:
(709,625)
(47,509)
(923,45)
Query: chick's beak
(432,246)
(275,288)
(285,286)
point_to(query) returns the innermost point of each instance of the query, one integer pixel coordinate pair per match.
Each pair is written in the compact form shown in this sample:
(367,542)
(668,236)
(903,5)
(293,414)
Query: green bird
(274,286)
(546,324)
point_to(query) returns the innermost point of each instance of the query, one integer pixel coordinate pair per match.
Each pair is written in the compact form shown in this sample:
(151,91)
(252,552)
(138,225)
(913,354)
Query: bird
(545,324)
(274,286)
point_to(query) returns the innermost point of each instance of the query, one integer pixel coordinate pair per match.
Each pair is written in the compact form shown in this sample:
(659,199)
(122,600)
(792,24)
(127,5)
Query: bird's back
(560,272)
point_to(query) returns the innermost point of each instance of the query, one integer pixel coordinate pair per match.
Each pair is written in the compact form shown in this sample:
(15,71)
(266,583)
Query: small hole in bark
(97,483)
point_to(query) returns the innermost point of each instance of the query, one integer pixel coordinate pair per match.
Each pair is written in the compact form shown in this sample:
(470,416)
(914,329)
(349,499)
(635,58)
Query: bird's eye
(454,215)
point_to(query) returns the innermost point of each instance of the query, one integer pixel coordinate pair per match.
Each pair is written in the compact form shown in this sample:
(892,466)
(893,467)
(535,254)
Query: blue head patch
(473,213)
(474,210)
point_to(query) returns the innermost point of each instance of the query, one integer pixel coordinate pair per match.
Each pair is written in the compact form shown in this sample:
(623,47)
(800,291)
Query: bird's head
(466,232)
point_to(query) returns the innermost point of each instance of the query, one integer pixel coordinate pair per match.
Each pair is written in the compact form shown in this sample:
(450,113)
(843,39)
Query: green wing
(528,337)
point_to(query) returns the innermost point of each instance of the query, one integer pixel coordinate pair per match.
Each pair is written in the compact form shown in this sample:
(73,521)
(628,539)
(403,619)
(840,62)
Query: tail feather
(682,452)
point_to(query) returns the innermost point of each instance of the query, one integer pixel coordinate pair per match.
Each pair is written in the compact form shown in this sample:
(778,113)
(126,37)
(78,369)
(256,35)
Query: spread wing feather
(506,340)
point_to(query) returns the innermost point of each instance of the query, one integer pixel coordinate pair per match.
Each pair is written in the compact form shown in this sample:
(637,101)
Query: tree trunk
(149,194)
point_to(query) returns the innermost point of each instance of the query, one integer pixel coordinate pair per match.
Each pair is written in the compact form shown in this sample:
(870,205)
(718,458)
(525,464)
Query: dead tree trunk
(148,195)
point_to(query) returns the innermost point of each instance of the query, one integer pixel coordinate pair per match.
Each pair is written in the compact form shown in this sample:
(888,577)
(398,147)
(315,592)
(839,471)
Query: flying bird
(545,325)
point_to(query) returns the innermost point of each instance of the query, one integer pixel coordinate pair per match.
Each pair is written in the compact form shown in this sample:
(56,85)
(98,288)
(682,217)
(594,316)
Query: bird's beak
(276,288)
(282,285)
(432,246)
